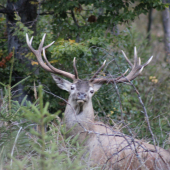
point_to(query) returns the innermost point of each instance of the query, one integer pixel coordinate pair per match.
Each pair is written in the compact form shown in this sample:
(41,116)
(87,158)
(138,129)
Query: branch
(73,16)
(47,13)
(4,10)
(2,6)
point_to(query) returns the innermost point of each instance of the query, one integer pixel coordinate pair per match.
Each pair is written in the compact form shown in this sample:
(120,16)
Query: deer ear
(61,83)
(96,86)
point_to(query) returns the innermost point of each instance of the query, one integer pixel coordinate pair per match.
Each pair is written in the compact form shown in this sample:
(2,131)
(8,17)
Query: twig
(14,145)
(74,18)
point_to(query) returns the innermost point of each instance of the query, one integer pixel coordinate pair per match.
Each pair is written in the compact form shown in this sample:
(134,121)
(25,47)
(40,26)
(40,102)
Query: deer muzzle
(81,97)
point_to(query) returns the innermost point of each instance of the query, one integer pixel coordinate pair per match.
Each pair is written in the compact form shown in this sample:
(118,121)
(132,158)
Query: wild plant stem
(42,129)
(12,152)
(43,144)
(12,65)
(9,99)
(9,86)
(9,94)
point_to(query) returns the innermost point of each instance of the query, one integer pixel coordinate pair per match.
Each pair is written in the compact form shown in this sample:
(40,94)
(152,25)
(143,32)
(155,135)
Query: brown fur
(107,148)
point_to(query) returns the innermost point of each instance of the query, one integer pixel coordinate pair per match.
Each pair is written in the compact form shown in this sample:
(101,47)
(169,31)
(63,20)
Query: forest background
(91,31)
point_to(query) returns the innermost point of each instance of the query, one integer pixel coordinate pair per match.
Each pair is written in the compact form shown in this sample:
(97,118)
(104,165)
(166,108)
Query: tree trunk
(27,10)
(149,25)
(166,27)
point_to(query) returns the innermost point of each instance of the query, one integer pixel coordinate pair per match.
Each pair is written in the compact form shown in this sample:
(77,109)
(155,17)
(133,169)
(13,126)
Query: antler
(49,67)
(136,70)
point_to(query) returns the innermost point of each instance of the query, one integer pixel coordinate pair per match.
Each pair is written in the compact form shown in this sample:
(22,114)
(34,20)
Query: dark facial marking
(91,91)
(72,88)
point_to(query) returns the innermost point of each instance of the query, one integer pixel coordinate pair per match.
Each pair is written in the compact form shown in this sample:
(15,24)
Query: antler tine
(150,59)
(42,42)
(98,71)
(49,45)
(75,68)
(47,67)
(37,53)
(127,58)
(136,59)
(137,68)
(31,40)
(139,61)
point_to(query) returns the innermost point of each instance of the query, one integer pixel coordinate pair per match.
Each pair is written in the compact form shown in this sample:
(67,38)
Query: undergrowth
(25,143)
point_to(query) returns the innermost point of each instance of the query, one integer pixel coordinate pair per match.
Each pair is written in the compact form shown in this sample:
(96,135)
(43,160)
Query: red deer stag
(107,148)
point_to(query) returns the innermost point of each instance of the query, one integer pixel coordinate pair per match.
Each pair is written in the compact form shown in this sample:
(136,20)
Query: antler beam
(49,67)
(135,71)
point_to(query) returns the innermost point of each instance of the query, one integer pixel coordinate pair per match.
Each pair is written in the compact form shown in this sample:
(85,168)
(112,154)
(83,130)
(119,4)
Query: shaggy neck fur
(81,114)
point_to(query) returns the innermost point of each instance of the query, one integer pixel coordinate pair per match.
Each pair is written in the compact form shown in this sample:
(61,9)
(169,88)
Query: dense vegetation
(87,30)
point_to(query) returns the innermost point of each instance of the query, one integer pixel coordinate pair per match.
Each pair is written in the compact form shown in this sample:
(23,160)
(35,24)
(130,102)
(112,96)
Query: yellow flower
(153,79)
(150,77)
(34,63)
(71,41)
(54,61)
(111,112)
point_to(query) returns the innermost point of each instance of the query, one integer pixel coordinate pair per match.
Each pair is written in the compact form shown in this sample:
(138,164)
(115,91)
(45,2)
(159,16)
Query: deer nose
(81,96)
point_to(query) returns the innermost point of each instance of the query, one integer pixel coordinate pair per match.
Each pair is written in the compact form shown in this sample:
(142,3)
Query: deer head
(82,90)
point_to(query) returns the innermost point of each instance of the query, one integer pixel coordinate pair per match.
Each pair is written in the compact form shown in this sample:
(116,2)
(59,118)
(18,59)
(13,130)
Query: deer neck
(81,114)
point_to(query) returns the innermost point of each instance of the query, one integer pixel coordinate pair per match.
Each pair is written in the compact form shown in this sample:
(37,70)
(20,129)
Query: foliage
(20,29)
(81,29)
(46,149)
(74,18)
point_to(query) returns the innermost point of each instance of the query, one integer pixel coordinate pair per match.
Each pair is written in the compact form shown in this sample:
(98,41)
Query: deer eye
(91,91)
(72,87)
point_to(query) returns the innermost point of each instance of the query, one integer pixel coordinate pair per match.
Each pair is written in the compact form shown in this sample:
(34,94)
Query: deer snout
(81,96)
